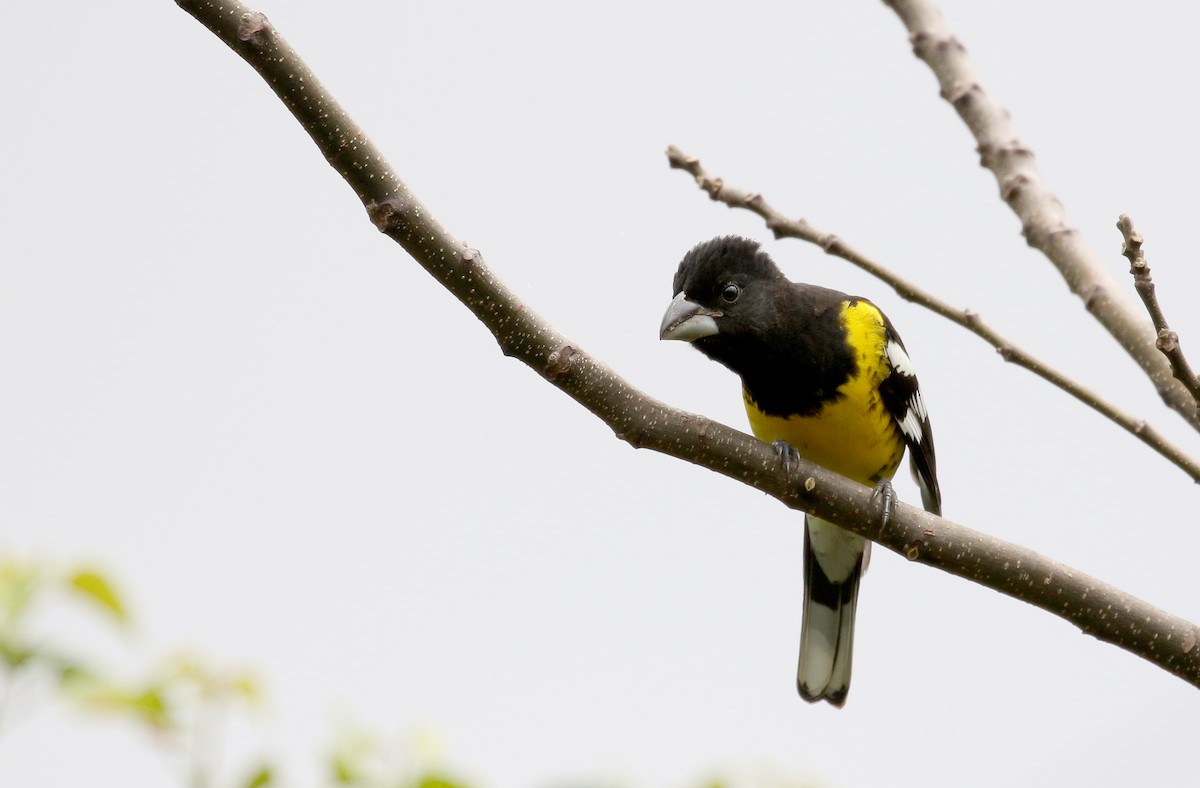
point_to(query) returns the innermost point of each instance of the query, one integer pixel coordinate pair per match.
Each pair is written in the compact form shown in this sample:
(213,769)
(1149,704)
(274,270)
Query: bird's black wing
(902,397)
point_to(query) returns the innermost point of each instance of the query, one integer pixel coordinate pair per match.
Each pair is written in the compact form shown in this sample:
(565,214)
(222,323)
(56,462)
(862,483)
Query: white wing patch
(910,425)
(903,400)
(915,413)
(899,359)
(916,403)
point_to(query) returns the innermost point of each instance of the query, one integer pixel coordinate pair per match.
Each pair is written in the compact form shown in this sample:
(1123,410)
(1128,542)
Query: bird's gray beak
(688,321)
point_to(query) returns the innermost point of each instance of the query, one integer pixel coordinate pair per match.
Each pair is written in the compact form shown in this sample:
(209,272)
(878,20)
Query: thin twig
(1097,608)
(784,227)
(1043,221)
(1167,340)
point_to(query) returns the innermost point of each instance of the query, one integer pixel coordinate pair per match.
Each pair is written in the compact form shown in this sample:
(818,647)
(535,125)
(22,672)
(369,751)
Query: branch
(1168,340)
(1043,221)
(1097,608)
(784,227)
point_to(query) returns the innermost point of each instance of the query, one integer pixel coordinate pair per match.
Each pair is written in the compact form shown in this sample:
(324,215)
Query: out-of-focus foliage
(175,702)
(175,695)
(362,759)
(183,702)
(94,586)
(28,657)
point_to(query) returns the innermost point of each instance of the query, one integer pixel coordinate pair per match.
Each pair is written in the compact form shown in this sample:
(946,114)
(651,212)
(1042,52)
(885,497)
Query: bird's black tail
(831,574)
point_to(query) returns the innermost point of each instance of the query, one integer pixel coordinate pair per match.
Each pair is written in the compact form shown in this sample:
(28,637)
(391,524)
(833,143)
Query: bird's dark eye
(730,293)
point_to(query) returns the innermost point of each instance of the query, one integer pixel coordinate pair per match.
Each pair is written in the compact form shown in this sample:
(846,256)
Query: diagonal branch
(1168,340)
(1043,221)
(784,227)
(1095,607)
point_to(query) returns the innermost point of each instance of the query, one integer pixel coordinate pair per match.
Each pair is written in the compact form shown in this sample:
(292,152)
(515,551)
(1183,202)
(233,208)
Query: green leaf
(259,778)
(148,705)
(437,781)
(95,587)
(16,655)
(73,675)
(345,770)
(245,687)
(19,583)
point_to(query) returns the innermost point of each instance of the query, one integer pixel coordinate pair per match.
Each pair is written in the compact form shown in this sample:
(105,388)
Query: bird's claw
(886,495)
(787,454)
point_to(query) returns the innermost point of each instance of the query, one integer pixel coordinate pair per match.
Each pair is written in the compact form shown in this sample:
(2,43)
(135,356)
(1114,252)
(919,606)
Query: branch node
(959,94)
(923,40)
(254,28)
(993,154)
(1131,247)
(634,437)
(831,244)
(908,292)
(1010,189)
(951,43)
(712,186)
(681,161)
(1189,640)
(1168,341)
(390,215)
(470,257)
(778,228)
(559,362)
(1093,297)
(1042,237)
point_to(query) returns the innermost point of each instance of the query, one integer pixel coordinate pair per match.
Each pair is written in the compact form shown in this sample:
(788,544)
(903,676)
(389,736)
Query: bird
(824,376)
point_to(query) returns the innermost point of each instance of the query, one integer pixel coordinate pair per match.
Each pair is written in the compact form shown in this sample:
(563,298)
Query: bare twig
(1167,340)
(1097,608)
(1043,221)
(784,227)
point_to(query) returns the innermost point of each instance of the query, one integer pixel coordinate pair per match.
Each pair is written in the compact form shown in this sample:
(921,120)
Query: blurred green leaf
(186,669)
(148,705)
(151,708)
(246,687)
(16,655)
(72,674)
(437,781)
(345,770)
(95,587)
(260,778)
(19,583)
(213,684)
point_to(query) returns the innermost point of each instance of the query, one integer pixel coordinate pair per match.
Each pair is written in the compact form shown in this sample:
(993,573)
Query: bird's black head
(710,267)
(725,294)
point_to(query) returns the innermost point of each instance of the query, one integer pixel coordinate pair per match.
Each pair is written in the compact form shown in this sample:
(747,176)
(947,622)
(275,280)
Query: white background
(299,455)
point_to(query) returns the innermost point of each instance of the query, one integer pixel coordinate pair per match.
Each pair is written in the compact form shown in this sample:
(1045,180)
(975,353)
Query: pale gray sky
(298,454)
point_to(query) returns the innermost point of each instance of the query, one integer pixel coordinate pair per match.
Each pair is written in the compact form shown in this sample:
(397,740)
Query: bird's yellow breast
(852,434)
